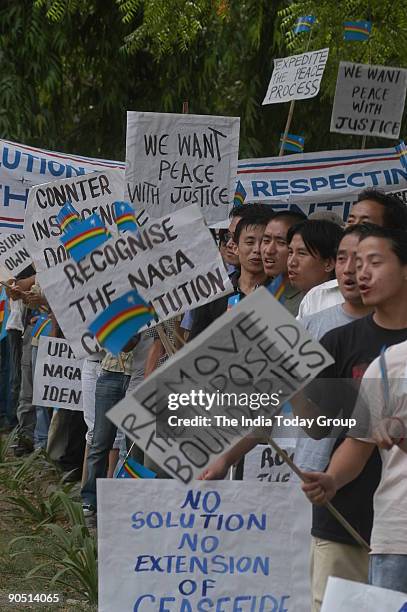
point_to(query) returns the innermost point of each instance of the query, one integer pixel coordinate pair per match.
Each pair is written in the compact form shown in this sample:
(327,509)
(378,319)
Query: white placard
(14,255)
(297,77)
(257,347)
(173,262)
(369,100)
(174,160)
(348,596)
(264,464)
(57,378)
(163,546)
(22,166)
(94,192)
(323,176)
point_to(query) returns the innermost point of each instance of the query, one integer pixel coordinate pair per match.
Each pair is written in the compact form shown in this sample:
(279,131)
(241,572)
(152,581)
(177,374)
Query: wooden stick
(287,127)
(339,517)
(167,344)
(179,338)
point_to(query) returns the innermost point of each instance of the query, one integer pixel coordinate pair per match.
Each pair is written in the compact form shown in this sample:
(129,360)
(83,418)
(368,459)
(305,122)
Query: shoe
(24,446)
(88,510)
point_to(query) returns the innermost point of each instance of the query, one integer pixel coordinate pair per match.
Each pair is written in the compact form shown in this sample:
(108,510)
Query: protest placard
(349,596)
(322,176)
(369,100)
(297,77)
(174,160)
(163,546)
(22,166)
(172,262)
(14,255)
(257,347)
(57,377)
(95,192)
(264,464)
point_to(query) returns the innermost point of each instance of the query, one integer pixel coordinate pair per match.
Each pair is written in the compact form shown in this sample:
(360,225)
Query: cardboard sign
(297,77)
(21,167)
(14,255)
(163,546)
(321,177)
(348,596)
(264,464)
(173,262)
(255,347)
(369,100)
(176,160)
(57,378)
(94,192)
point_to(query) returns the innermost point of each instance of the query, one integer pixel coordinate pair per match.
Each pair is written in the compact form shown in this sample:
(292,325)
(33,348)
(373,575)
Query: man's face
(274,248)
(379,272)
(248,248)
(306,270)
(231,246)
(345,268)
(366,211)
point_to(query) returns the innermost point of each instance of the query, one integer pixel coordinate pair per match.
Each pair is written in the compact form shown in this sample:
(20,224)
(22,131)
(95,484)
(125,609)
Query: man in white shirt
(372,206)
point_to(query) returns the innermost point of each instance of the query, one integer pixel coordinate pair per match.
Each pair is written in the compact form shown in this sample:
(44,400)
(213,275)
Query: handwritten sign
(14,256)
(264,464)
(94,192)
(57,379)
(369,100)
(297,77)
(174,160)
(22,166)
(347,595)
(172,262)
(163,546)
(256,347)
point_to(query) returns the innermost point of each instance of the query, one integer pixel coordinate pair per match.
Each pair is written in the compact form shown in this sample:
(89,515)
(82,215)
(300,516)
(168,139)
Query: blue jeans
(388,571)
(4,379)
(111,387)
(43,418)
(15,347)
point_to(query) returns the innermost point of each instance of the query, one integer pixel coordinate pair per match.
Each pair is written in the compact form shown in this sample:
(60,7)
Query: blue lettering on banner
(42,167)
(257,603)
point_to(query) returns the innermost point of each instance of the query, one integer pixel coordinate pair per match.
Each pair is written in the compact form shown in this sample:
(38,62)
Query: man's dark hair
(249,222)
(252,210)
(396,237)
(292,217)
(320,237)
(360,229)
(394,209)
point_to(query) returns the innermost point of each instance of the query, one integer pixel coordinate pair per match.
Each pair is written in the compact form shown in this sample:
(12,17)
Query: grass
(45,546)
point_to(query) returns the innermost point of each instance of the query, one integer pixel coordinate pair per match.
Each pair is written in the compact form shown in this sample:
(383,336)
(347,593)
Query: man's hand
(320,488)
(216,471)
(34,300)
(388,432)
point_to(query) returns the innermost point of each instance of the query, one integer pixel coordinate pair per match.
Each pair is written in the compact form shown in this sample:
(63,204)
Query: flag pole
(291,109)
(339,517)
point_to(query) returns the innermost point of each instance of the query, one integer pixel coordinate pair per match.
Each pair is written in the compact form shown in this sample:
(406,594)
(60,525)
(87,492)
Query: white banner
(94,192)
(174,160)
(22,166)
(321,176)
(296,77)
(348,596)
(163,546)
(57,377)
(14,256)
(369,100)
(247,349)
(173,262)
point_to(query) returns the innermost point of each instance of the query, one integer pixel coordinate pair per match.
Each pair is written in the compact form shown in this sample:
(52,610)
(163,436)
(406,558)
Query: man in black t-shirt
(381,270)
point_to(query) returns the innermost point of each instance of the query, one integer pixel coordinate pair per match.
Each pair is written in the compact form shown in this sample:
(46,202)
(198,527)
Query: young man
(247,236)
(381,272)
(372,206)
(274,253)
(312,249)
(388,560)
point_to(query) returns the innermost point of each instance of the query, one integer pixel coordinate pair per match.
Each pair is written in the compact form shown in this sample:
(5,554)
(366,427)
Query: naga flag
(124,217)
(3,314)
(304,24)
(277,288)
(357,30)
(293,143)
(83,237)
(67,215)
(42,327)
(401,149)
(240,195)
(132,469)
(114,327)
